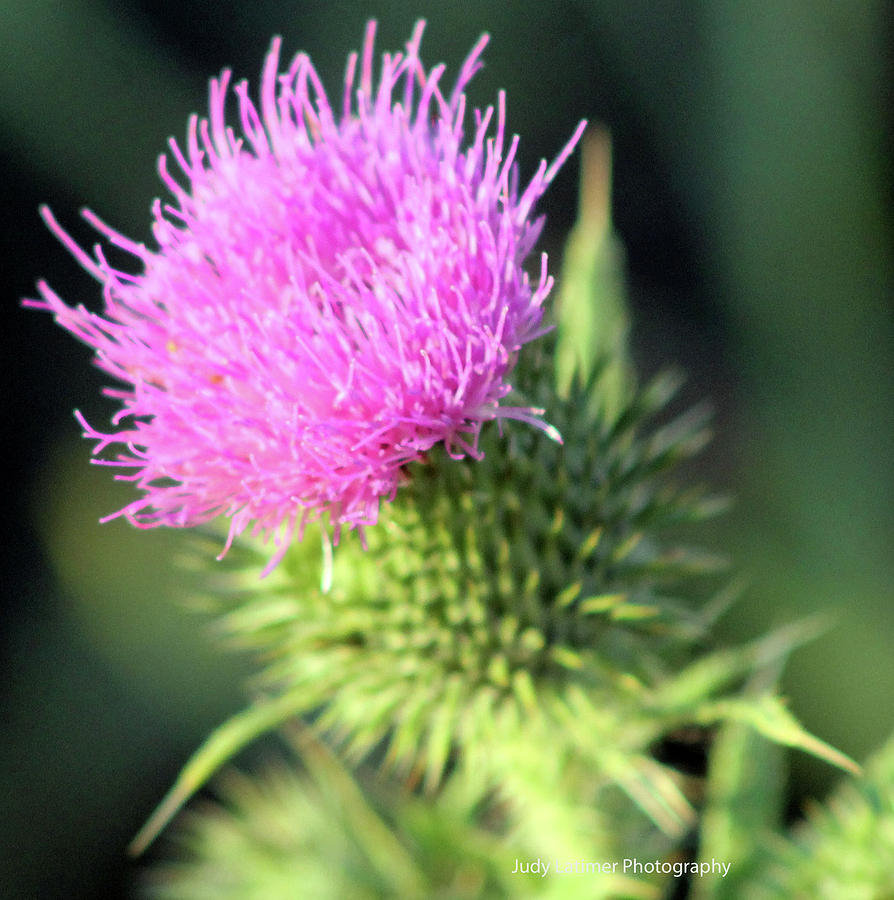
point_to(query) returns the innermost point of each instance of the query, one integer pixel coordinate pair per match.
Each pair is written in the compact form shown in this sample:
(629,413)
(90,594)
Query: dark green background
(752,192)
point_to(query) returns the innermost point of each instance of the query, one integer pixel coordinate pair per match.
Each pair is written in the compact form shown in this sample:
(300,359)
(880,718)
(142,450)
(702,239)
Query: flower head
(334,292)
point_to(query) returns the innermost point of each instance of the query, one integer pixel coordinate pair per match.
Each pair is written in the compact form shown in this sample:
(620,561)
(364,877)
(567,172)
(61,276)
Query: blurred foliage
(320,833)
(845,850)
(306,826)
(751,192)
(326,833)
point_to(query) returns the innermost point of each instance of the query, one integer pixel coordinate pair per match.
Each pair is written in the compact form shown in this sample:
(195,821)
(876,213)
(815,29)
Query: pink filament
(330,298)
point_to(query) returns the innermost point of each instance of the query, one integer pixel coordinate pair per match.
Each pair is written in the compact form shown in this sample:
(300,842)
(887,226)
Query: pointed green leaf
(593,320)
(769,716)
(224,743)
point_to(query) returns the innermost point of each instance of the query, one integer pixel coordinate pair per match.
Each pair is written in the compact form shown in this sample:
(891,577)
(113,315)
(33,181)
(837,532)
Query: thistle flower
(333,294)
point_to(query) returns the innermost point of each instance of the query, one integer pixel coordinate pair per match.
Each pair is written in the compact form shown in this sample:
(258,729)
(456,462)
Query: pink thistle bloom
(334,292)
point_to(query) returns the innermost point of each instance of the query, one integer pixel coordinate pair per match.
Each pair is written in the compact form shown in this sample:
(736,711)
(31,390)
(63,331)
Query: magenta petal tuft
(333,293)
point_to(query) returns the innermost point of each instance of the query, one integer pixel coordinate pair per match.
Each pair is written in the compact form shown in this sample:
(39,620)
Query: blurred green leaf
(221,746)
(593,321)
(743,804)
(769,717)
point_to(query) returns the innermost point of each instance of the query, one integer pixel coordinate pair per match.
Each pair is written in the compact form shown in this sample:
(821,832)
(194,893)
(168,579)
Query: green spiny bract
(505,610)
